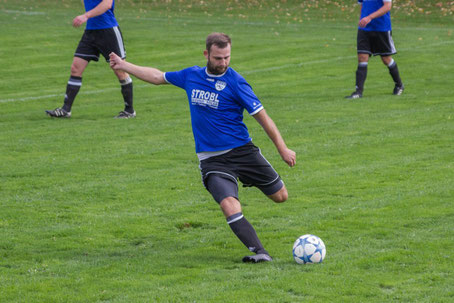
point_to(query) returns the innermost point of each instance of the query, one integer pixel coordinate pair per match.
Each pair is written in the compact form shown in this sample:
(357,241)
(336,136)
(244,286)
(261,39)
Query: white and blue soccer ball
(309,249)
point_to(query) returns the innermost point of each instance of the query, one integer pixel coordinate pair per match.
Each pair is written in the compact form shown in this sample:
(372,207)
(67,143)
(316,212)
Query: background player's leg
(361,72)
(72,88)
(127,92)
(394,72)
(75,82)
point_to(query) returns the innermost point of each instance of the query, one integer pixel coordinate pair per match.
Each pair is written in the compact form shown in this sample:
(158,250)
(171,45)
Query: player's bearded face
(218,59)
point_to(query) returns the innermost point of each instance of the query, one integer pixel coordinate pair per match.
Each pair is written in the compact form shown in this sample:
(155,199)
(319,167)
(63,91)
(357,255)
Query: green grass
(93,209)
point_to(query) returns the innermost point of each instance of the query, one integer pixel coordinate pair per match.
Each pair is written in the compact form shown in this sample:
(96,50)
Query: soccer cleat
(125,115)
(355,95)
(58,113)
(398,90)
(257,258)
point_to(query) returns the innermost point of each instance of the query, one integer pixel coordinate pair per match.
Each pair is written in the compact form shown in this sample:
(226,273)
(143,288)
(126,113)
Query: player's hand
(79,20)
(115,61)
(364,21)
(289,157)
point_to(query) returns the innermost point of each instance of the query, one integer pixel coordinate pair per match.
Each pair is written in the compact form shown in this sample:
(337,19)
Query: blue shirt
(106,20)
(216,104)
(380,24)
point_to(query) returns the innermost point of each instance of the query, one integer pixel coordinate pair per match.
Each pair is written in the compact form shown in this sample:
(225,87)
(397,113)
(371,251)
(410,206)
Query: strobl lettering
(203,98)
(213,97)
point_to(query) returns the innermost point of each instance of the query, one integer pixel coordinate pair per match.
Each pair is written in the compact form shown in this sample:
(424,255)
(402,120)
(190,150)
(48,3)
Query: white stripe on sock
(126,81)
(234,220)
(391,63)
(75,83)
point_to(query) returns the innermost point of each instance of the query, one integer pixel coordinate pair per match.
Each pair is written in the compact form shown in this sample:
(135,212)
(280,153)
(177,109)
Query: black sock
(246,233)
(361,74)
(126,91)
(72,88)
(394,71)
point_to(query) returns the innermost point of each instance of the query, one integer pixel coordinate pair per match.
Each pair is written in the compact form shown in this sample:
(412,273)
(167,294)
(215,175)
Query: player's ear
(205,53)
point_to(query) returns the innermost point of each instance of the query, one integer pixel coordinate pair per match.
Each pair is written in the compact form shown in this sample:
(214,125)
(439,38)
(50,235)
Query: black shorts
(104,41)
(246,163)
(375,43)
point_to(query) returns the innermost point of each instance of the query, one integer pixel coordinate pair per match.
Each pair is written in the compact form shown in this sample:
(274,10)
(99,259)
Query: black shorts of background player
(102,36)
(374,38)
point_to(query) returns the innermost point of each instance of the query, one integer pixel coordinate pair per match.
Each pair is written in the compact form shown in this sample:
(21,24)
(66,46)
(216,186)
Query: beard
(215,70)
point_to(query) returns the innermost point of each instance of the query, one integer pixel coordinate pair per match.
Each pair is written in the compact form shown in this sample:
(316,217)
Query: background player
(102,35)
(374,38)
(217,98)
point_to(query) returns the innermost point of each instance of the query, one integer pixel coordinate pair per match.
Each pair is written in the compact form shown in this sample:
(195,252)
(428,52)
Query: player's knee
(363,58)
(386,60)
(280,196)
(230,206)
(76,70)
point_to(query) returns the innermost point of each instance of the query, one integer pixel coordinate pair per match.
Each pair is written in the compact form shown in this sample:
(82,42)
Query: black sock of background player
(361,74)
(126,91)
(394,71)
(72,88)
(246,233)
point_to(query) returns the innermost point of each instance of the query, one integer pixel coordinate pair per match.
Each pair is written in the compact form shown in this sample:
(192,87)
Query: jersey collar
(216,76)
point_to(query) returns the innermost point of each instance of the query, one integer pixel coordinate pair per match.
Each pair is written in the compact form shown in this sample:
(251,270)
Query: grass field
(94,209)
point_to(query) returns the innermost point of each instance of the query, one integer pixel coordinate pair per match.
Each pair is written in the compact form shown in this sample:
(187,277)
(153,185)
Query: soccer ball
(309,249)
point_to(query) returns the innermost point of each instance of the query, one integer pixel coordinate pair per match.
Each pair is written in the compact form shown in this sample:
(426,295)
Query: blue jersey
(216,104)
(380,24)
(106,20)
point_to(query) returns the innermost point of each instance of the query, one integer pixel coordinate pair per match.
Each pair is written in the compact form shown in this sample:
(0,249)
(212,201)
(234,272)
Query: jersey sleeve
(177,78)
(247,97)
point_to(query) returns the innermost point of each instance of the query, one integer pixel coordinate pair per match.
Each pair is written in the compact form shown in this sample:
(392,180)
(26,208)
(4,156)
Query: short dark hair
(221,40)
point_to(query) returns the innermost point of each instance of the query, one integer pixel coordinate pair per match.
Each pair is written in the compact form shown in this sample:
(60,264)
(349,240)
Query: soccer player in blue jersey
(374,38)
(218,96)
(102,35)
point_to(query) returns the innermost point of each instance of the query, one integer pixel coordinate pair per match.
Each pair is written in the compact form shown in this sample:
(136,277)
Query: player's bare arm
(383,10)
(288,155)
(147,74)
(100,9)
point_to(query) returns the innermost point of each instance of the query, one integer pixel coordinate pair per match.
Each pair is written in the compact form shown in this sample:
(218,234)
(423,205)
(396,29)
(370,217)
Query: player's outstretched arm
(147,74)
(100,9)
(288,155)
